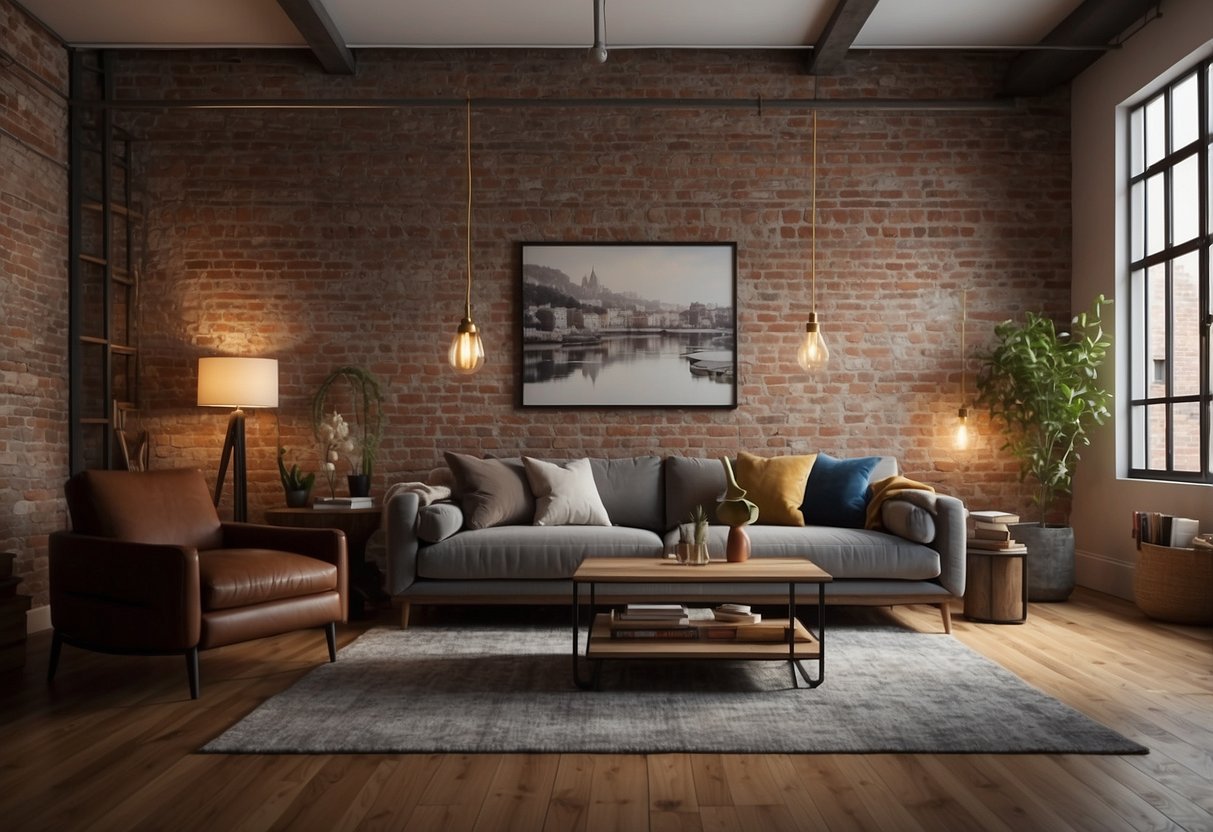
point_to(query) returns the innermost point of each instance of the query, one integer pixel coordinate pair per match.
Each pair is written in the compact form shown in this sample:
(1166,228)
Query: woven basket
(1174,584)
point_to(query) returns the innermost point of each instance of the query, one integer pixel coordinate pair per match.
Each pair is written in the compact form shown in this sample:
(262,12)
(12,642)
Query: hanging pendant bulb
(466,354)
(467,350)
(960,438)
(813,352)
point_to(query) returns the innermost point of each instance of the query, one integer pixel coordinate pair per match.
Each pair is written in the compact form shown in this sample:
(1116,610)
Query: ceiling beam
(313,22)
(839,33)
(1095,23)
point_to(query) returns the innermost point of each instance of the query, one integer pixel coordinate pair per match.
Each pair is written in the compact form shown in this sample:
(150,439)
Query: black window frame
(1139,360)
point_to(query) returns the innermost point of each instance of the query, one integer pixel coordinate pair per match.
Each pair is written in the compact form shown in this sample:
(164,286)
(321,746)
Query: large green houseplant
(1042,387)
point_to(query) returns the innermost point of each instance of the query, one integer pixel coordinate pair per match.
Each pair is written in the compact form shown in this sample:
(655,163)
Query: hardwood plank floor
(111,747)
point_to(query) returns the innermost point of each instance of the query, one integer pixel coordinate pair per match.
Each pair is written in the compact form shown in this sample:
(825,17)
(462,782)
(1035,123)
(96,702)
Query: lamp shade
(237,382)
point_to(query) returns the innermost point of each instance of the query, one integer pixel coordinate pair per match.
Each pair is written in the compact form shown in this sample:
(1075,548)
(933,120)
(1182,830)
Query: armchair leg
(330,635)
(191,668)
(53,665)
(945,612)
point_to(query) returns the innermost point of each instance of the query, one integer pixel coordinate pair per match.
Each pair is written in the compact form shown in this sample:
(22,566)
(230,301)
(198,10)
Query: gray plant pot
(1050,560)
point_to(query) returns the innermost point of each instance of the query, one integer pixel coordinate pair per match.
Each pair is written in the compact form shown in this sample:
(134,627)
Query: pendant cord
(468,133)
(813,209)
(964,364)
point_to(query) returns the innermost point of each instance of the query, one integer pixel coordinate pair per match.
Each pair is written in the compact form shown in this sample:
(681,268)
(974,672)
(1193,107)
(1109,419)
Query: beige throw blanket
(901,488)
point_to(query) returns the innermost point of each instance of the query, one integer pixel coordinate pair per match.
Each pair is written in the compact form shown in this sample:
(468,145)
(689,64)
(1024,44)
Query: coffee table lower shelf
(601,646)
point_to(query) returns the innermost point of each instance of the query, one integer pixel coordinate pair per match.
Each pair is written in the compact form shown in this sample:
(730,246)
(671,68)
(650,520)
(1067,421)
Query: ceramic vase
(359,484)
(298,498)
(737,549)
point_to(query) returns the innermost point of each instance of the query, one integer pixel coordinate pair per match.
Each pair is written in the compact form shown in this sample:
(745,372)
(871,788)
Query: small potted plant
(296,484)
(1043,387)
(360,389)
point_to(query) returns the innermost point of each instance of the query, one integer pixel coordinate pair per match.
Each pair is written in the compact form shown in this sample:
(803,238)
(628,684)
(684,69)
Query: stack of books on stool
(990,531)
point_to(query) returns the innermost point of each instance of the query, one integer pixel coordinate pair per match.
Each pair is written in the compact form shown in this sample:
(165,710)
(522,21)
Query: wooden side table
(996,586)
(366,582)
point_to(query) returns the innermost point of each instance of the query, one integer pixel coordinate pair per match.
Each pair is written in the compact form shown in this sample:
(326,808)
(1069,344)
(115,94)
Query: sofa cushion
(438,521)
(844,553)
(230,578)
(690,482)
(776,485)
(532,552)
(492,492)
(837,491)
(565,495)
(632,490)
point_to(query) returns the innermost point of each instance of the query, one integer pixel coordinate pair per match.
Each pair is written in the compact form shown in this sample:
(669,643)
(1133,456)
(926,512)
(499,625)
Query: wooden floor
(110,747)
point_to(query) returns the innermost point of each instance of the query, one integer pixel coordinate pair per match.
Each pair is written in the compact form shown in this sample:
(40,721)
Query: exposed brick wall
(325,237)
(33,293)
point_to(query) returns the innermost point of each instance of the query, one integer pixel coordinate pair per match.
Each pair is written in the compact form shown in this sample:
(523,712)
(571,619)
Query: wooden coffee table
(618,572)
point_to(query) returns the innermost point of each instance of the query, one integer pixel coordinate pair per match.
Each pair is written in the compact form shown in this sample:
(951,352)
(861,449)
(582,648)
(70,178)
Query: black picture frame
(628,325)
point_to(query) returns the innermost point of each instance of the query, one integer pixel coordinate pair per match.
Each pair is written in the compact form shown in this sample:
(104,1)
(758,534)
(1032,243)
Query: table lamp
(237,383)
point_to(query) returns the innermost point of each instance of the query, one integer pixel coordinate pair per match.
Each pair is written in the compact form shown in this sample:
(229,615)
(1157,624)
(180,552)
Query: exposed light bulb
(467,350)
(960,439)
(813,352)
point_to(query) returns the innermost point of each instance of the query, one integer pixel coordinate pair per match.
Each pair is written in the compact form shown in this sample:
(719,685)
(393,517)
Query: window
(1170,244)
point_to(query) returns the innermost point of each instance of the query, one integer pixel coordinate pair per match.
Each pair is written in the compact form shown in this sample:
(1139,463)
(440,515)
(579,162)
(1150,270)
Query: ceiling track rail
(757,104)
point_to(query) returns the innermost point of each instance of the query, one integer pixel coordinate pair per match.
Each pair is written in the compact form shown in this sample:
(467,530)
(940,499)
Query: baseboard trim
(1104,574)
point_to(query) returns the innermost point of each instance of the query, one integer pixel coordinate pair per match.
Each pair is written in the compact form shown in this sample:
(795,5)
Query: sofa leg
(404,616)
(330,635)
(945,612)
(53,664)
(191,669)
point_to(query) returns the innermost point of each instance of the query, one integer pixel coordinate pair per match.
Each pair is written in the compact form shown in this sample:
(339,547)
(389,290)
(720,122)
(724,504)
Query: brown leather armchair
(148,568)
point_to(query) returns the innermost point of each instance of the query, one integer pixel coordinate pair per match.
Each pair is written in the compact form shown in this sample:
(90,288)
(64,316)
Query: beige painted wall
(1104,499)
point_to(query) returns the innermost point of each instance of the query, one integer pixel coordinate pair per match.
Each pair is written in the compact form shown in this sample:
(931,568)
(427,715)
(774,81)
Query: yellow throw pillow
(776,484)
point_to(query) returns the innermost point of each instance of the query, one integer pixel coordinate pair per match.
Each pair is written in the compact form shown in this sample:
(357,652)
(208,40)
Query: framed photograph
(629,325)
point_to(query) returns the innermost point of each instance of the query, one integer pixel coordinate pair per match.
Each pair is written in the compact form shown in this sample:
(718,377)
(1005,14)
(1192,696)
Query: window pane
(1137,142)
(1137,221)
(1156,437)
(1185,295)
(1187,437)
(1139,373)
(1156,213)
(1185,113)
(1156,130)
(1139,437)
(1185,200)
(1156,326)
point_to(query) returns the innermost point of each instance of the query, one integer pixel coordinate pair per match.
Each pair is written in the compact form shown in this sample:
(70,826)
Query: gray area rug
(506,689)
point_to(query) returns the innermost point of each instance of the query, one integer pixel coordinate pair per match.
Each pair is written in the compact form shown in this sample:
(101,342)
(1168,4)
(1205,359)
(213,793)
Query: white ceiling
(548,23)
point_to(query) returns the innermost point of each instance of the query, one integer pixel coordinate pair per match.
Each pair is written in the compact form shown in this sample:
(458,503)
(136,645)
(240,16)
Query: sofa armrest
(400,540)
(949,541)
(125,595)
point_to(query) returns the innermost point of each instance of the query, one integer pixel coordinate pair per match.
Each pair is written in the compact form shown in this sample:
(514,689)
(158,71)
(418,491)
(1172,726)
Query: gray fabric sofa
(432,559)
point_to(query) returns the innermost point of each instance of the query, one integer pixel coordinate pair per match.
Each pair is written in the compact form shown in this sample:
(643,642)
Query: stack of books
(736,614)
(653,621)
(1164,529)
(344,502)
(991,531)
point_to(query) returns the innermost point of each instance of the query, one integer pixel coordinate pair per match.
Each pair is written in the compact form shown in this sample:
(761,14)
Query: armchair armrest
(328,545)
(121,595)
(401,543)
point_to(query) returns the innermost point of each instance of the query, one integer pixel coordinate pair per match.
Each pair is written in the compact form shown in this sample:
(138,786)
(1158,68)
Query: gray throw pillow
(491,492)
(565,495)
(438,521)
(907,520)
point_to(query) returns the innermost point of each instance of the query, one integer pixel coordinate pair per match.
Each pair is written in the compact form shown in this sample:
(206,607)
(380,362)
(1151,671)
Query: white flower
(332,456)
(330,467)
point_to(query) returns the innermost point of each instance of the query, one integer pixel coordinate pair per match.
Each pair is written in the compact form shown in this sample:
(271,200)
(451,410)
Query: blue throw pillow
(837,491)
